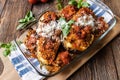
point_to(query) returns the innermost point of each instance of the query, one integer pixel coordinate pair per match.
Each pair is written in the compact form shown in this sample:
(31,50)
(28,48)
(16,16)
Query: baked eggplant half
(84,31)
(48,40)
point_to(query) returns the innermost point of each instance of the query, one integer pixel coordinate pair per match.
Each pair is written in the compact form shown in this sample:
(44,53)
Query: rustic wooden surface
(105,65)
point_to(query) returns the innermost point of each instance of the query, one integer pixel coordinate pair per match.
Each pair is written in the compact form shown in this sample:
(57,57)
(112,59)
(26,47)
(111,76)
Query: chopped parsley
(79,3)
(65,26)
(8,47)
(59,4)
(25,21)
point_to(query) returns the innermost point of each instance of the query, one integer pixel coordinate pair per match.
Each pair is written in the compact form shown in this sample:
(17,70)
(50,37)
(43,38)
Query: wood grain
(2,4)
(116,54)
(13,11)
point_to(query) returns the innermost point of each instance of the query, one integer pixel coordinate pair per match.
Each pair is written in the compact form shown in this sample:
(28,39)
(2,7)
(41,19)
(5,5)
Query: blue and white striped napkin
(23,67)
(26,71)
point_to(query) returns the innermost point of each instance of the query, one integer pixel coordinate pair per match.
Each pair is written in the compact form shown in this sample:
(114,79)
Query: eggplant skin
(80,37)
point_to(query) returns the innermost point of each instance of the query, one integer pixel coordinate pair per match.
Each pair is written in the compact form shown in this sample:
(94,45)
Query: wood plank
(116,54)
(13,11)
(98,68)
(40,7)
(2,4)
(115,44)
(105,62)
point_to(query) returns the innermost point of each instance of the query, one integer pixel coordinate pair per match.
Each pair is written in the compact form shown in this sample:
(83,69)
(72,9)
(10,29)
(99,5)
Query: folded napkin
(23,67)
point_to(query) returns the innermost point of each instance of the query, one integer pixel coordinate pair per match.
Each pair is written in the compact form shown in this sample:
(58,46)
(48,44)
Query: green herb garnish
(25,21)
(72,2)
(8,47)
(65,26)
(85,4)
(59,4)
(70,22)
(79,3)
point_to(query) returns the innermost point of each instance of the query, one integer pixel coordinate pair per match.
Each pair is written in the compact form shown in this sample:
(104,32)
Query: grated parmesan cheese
(48,29)
(85,20)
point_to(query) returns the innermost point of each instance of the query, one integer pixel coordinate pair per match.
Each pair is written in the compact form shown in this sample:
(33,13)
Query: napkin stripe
(24,71)
(36,63)
(19,66)
(93,6)
(17,60)
(97,10)
(101,13)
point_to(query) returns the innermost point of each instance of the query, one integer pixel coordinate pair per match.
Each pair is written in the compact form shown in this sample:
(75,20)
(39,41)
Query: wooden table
(103,66)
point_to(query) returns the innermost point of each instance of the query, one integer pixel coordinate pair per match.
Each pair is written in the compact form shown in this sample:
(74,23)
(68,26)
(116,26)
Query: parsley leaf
(79,3)
(8,47)
(65,26)
(71,22)
(72,2)
(66,30)
(25,21)
(4,45)
(59,4)
(85,4)
(6,52)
